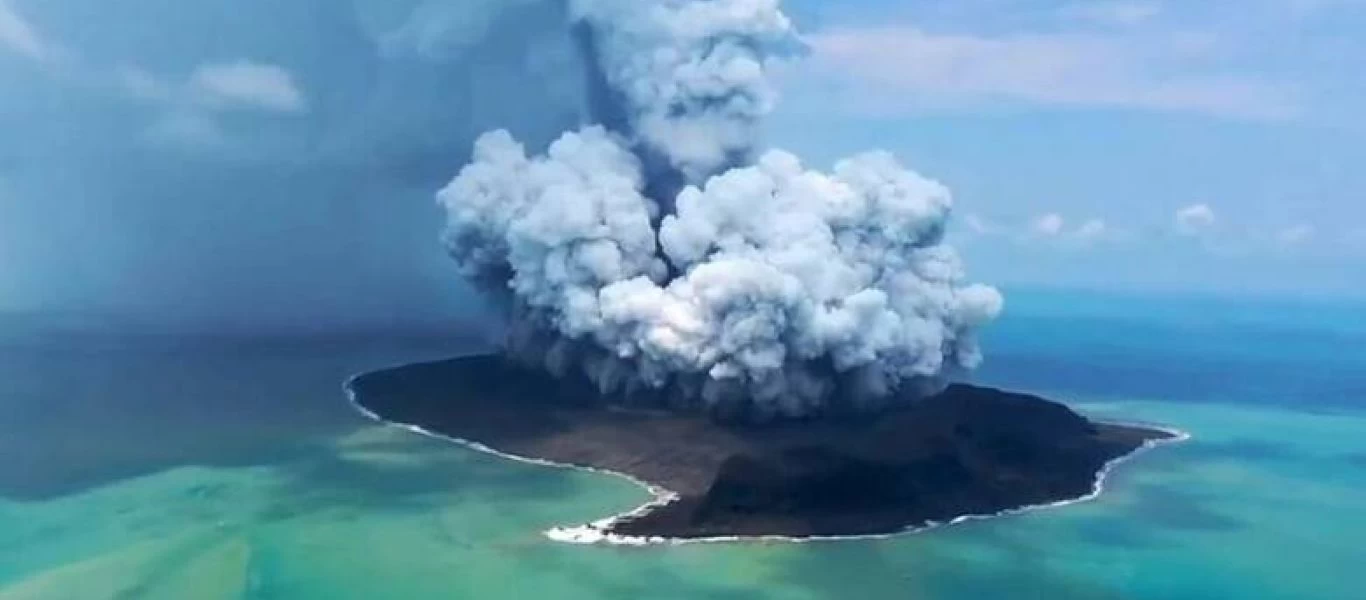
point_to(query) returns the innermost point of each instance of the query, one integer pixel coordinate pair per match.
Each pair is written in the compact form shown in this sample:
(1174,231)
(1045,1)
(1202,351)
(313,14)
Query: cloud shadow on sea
(66,473)
(1357,459)
(81,414)
(662,581)
(399,469)
(1163,505)
(1241,449)
(981,559)
(1115,531)
(80,418)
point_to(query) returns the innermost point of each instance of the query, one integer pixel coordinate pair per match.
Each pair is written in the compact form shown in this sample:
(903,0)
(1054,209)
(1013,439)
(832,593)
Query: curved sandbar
(968,451)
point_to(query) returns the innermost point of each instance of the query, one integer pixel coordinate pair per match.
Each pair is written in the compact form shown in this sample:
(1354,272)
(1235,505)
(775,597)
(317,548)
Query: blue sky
(241,158)
(1129,143)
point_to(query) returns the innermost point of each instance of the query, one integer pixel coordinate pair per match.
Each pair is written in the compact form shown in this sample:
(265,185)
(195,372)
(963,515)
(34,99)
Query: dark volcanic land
(966,451)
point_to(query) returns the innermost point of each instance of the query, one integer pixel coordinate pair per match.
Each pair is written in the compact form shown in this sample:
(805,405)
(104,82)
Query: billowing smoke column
(660,253)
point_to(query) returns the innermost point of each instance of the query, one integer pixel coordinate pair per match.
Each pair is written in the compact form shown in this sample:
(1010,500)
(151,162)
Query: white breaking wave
(599,531)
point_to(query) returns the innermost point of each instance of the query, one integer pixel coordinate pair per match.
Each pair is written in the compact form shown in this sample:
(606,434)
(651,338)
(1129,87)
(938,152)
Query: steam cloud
(658,251)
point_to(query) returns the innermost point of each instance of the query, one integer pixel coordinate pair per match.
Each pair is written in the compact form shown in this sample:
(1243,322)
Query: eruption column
(661,253)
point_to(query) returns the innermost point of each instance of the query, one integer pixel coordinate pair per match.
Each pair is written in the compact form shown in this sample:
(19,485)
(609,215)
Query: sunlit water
(155,468)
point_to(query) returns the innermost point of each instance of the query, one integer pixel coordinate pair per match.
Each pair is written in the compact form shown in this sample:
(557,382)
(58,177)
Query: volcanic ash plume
(752,287)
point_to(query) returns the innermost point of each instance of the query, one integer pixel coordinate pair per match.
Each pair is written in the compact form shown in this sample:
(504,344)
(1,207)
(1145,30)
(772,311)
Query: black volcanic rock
(966,451)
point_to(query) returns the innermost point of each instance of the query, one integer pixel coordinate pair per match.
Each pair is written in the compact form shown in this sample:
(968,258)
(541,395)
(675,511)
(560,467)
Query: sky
(261,163)
(1132,144)
(252,163)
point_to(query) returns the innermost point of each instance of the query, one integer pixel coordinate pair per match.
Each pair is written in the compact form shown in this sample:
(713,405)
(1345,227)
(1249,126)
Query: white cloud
(18,36)
(1195,219)
(187,108)
(237,85)
(881,67)
(1091,230)
(978,225)
(240,85)
(1120,12)
(1049,225)
(1355,237)
(1295,235)
(247,85)
(186,129)
(138,83)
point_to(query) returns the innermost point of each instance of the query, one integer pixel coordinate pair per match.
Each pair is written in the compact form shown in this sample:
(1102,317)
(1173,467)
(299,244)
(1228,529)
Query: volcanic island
(964,452)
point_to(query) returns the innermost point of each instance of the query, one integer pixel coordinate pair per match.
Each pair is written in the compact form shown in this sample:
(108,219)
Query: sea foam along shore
(599,532)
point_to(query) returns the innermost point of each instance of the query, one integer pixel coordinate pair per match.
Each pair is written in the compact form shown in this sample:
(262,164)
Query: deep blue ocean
(186,467)
(1300,354)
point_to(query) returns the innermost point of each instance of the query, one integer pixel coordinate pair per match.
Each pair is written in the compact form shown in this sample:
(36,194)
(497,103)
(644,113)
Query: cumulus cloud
(248,85)
(1195,219)
(187,129)
(240,85)
(900,68)
(315,218)
(1091,230)
(1295,235)
(761,288)
(979,225)
(1355,237)
(1054,228)
(19,36)
(188,109)
(1048,225)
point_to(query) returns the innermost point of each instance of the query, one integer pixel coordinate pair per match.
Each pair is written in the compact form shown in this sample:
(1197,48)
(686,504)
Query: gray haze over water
(254,164)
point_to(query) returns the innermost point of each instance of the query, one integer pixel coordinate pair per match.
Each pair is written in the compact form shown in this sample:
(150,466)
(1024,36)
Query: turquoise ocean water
(155,467)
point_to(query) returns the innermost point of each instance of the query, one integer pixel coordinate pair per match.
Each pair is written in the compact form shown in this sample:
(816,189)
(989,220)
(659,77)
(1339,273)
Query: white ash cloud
(762,287)
(688,73)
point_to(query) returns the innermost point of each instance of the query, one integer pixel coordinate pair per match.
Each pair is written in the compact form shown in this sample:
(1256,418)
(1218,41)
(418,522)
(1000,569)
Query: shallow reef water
(137,471)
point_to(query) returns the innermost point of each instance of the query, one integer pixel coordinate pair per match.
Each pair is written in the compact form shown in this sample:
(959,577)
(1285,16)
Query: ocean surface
(184,468)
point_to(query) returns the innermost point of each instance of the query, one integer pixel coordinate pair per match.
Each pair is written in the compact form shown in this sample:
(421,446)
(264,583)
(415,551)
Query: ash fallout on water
(660,252)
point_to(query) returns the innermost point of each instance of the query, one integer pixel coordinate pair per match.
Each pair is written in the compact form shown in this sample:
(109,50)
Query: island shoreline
(600,531)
